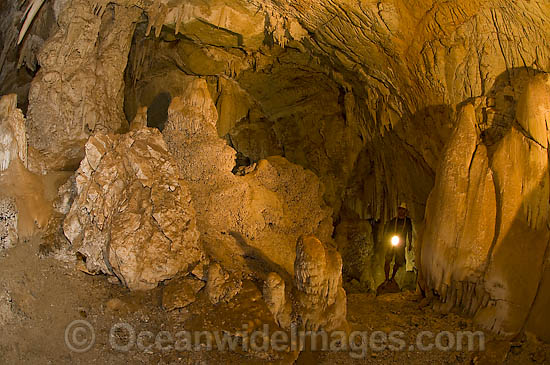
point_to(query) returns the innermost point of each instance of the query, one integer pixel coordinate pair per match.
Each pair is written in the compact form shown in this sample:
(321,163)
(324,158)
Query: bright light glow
(395,240)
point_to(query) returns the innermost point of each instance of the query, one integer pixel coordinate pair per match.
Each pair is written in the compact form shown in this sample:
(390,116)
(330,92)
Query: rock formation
(80,82)
(318,278)
(275,297)
(455,232)
(221,285)
(8,223)
(316,299)
(13,140)
(13,148)
(133,216)
(264,211)
(19,63)
(485,248)
(179,293)
(354,238)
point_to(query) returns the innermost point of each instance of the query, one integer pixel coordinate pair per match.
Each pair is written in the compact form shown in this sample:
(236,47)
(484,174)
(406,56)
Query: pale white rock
(13,139)
(133,216)
(79,89)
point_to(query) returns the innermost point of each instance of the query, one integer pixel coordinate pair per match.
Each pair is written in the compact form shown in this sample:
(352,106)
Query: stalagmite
(318,278)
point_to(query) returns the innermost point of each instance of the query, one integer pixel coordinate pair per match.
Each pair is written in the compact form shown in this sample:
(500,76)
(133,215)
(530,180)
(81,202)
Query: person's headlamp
(395,241)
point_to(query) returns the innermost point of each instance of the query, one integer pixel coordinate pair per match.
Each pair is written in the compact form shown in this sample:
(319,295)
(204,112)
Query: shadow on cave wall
(499,114)
(519,261)
(257,262)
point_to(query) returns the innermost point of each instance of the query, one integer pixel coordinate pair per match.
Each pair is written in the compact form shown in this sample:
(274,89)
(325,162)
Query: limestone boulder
(133,216)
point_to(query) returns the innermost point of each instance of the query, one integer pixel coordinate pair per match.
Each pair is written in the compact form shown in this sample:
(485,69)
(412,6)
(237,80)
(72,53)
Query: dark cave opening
(157,112)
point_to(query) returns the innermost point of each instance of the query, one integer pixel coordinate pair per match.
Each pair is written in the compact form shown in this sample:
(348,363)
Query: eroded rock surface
(8,222)
(13,150)
(18,62)
(180,292)
(264,211)
(13,138)
(354,238)
(364,95)
(79,89)
(275,297)
(485,248)
(133,215)
(315,299)
(221,285)
(318,279)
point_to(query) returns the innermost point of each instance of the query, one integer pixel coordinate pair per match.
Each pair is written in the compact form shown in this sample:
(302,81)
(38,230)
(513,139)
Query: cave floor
(40,297)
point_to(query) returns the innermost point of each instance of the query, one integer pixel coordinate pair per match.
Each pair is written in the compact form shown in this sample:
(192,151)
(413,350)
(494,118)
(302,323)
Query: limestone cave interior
(235,166)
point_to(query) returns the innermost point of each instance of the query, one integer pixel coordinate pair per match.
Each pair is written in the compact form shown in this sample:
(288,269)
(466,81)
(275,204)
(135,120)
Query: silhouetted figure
(396,233)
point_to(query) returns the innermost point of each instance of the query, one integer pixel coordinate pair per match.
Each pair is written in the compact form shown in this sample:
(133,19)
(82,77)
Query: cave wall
(485,248)
(19,64)
(79,86)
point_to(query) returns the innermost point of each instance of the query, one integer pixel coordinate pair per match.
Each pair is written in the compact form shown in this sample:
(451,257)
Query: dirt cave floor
(41,297)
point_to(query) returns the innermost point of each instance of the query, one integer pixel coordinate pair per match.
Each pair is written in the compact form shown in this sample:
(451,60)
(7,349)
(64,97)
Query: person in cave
(397,233)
